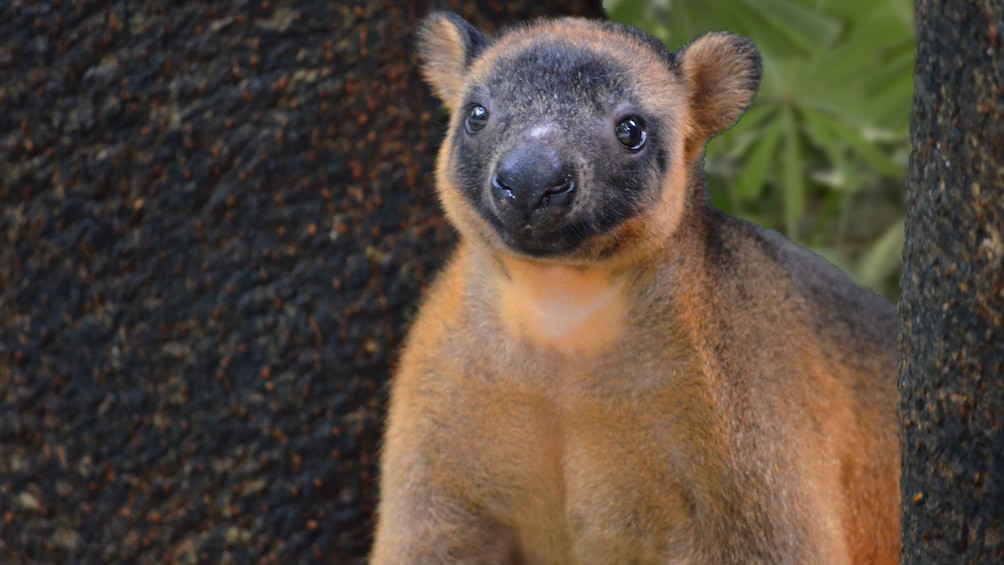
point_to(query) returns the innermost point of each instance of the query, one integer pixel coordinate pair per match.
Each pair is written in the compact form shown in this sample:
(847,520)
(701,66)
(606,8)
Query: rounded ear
(723,71)
(447,45)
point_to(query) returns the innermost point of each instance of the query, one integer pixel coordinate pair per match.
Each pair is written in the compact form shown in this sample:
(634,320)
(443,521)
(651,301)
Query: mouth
(540,235)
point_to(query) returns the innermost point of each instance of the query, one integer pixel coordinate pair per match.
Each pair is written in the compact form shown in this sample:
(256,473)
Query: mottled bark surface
(215,219)
(952,305)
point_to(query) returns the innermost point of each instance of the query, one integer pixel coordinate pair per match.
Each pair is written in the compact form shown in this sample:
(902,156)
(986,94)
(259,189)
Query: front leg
(419,526)
(428,510)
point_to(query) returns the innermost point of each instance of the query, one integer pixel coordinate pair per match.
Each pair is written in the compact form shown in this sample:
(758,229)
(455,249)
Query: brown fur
(686,388)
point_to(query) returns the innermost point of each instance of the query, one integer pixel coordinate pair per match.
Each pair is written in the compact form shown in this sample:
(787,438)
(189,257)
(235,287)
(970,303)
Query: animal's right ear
(447,45)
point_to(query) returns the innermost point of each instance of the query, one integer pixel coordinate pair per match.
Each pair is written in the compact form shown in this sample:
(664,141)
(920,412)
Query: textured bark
(952,304)
(215,219)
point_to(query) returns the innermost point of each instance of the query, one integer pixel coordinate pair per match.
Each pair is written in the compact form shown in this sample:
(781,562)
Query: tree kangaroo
(609,370)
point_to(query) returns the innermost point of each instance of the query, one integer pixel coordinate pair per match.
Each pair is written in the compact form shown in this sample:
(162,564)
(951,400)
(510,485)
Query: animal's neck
(571,310)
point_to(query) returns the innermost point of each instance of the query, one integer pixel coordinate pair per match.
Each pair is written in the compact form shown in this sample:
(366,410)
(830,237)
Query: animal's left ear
(723,72)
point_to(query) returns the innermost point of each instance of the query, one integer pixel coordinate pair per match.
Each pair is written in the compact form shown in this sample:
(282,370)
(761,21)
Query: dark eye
(477,118)
(631,132)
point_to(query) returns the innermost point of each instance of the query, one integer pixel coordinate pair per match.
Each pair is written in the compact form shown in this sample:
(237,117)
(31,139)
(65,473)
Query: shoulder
(826,294)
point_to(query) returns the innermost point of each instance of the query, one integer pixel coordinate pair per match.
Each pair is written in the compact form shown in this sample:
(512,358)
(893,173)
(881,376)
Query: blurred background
(821,156)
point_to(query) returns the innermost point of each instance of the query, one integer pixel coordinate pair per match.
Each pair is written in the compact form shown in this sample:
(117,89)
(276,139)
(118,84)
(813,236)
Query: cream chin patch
(573,311)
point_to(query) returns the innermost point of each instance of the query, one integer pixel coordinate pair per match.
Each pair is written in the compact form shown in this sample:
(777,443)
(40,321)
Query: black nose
(533,176)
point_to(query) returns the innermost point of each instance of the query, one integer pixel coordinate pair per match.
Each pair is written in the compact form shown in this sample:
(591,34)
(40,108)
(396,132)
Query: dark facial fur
(577,140)
(553,112)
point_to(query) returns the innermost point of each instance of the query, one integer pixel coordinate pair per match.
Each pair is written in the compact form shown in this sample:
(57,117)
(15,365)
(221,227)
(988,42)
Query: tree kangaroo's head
(574,140)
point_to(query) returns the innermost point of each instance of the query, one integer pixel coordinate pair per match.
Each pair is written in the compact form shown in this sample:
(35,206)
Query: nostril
(502,188)
(565,185)
(559,194)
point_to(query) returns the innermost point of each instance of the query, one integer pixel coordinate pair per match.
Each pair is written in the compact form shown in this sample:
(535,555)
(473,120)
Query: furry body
(612,371)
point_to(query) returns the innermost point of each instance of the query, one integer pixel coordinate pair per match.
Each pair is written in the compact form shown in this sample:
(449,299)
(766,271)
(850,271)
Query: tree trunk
(215,220)
(952,304)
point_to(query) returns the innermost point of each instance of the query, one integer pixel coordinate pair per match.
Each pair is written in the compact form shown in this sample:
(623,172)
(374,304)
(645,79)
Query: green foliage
(822,154)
